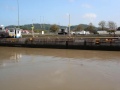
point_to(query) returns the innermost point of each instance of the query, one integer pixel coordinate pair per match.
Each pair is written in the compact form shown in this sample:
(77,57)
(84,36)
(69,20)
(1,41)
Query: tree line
(109,26)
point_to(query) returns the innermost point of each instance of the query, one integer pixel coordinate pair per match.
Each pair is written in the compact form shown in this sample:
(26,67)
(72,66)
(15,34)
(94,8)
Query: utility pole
(32,29)
(40,22)
(40,25)
(18,12)
(43,23)
(69,25)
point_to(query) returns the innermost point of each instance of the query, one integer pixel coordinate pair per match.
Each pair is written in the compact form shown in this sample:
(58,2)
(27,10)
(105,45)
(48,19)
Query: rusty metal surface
(64,41)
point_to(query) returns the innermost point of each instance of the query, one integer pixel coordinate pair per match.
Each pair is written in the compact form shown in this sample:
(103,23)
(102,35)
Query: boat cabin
(15,32)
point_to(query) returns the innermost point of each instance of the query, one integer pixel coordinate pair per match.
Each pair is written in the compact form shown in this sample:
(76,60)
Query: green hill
(44,26)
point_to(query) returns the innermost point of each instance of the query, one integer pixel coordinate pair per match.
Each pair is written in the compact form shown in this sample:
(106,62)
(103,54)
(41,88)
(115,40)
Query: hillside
(44,26)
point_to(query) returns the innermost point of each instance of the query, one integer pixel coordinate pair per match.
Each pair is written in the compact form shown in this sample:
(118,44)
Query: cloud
(90,16)
(67,14)
(86,6)
(71,0)
(12,8)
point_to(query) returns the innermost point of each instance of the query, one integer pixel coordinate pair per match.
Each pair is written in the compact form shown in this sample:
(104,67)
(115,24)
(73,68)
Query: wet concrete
(58,69)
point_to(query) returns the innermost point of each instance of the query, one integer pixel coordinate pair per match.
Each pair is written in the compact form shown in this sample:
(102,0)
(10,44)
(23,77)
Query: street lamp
(69,24)
(18,12)
(32,29)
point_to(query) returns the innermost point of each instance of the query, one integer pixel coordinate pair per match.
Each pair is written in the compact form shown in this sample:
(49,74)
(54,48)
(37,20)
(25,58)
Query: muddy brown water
(58,69)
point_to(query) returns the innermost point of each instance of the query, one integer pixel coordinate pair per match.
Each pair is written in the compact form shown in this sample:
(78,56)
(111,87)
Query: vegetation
(109,26)
(44,26)
(91,29)
(83,26)
(79,28)
(102,25)
(112,27)
(54,28)
(36,26)
(118,28)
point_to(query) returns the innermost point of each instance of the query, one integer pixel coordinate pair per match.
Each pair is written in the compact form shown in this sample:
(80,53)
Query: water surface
(58,69)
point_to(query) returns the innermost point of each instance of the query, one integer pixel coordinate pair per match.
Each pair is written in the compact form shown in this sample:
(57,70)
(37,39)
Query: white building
(102,32)
(105,32)
(83,32)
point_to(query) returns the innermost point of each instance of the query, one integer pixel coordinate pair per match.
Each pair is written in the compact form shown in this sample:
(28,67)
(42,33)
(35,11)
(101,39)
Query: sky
(58,11)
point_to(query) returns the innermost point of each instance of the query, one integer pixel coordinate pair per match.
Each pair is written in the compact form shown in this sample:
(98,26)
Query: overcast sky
(57,11)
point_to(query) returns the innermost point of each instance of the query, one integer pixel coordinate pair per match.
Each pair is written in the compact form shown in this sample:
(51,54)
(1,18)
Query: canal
(58,69)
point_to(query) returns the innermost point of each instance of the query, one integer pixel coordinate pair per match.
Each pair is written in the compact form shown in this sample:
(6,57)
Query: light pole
(18,12)
(32,29)
(69,24)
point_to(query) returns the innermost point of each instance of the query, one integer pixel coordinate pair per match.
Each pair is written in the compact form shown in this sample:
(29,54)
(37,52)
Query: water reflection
(15,54)
(7,52)
(9,56)
(16,57)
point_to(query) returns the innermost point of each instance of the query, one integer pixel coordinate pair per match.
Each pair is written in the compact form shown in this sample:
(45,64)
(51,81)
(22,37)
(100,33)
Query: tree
(118,28)
(91,29)
(23,27)
(102,24)
(79,28)
(54,28)
(112,27)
